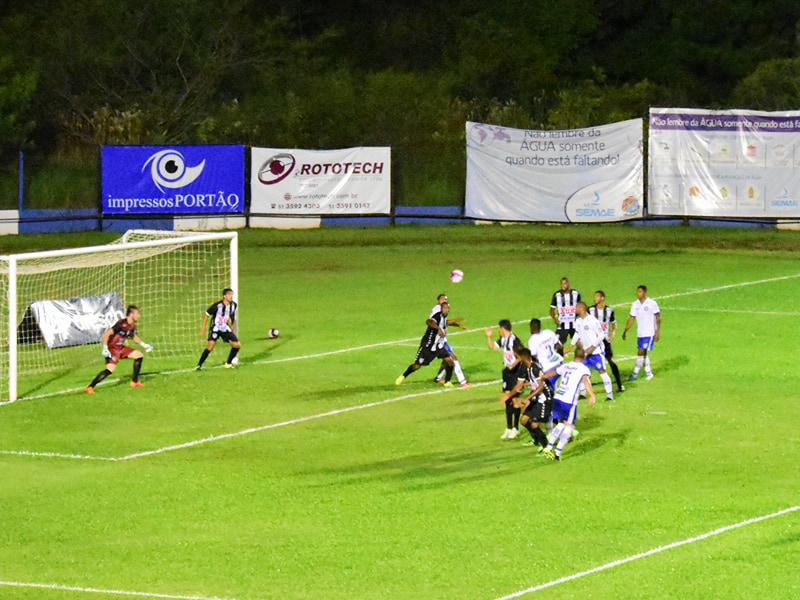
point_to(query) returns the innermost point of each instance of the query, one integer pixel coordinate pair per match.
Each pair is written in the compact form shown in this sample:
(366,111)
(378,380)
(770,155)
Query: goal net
(55,305)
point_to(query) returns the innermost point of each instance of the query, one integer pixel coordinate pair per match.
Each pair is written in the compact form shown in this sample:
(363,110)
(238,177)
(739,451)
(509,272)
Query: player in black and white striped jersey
(441,376)
(509,343)
(562,311)
(432,345)
(605,314)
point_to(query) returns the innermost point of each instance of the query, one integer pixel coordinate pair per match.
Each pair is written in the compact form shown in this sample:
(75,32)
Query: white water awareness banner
(321,182)
(588,175)
(732,163)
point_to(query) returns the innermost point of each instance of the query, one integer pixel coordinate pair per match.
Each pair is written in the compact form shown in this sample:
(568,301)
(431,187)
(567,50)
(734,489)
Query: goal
(54,305)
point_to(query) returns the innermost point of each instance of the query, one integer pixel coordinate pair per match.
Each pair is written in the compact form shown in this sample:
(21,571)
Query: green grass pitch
(306,473)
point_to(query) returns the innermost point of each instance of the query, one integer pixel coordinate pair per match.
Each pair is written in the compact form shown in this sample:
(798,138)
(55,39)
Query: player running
(114,349)
(432,345)
(441,375)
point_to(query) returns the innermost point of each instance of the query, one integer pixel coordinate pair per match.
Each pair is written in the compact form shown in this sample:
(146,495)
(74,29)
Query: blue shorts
(646,343)
(564,411)
(596,362)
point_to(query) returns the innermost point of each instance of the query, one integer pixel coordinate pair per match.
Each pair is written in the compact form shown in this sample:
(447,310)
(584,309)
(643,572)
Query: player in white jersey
(441,377)
(647,314)
(509,343)
(565,403)
(590,334)
(545,347)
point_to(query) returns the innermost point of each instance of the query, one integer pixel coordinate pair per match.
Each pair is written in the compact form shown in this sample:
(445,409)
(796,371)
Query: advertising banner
(733,163)
(71,322)
(575,175)
(175,180)
(320,182)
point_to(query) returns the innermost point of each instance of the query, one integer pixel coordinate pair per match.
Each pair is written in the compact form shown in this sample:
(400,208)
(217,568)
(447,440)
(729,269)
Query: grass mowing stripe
(88,590)
(225,436)
(658,550)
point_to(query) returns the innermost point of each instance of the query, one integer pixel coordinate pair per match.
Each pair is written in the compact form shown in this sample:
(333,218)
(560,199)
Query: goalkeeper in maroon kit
(114,349)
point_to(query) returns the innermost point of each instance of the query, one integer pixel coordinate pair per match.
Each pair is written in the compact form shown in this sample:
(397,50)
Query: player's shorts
(225,336)
(540,409)
(609,351)
(448,347)
(426,356)
(509,379)
(596,362)
(567,333)
(564,411)
(646,343)
(117,354)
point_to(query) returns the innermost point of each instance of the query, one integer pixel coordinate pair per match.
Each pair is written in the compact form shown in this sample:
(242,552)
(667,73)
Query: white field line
(332,353)
(659,549)
(88,590)
(248,431)
(768,313)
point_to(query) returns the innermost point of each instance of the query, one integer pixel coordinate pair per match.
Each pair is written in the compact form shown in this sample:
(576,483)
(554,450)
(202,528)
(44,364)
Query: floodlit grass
(337,484)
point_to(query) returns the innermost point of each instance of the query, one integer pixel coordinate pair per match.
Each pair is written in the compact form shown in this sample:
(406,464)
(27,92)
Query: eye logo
(276,169)
(169,170)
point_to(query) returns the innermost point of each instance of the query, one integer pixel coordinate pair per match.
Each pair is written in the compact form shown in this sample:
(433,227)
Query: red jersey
(122,332)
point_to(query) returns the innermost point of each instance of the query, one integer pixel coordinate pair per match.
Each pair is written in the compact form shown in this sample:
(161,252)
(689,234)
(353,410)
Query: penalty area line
(658,550)
(243,432)
(90,590)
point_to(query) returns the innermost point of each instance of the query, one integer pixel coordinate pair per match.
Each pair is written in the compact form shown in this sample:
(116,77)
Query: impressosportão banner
(732,163)
(172,179)
(575,175)
(320,182)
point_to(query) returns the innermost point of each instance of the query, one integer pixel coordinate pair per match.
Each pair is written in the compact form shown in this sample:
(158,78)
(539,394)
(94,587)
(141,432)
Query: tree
(774,85)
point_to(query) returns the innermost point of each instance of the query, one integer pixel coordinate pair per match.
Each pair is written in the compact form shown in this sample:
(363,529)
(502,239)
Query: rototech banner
(320,182)
(173,179)
(574,175)
(733,163)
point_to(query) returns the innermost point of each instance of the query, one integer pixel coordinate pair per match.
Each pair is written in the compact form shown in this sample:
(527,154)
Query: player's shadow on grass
(584,446)
(263,352)
(673,364)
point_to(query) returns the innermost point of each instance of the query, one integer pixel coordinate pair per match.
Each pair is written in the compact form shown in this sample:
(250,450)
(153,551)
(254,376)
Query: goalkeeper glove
(147,347)
(106,352)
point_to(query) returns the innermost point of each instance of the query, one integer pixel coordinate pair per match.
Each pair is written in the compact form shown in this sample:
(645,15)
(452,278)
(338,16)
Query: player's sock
(615,371)
(448,373)
(517,413)
(459,372)
(509,415)
(440,374)
(638,367)
(555,435)
(409,370)
(137,368)
(100,376)
(203,357)
(564,438)
(609,387)
(647,368)
(538,436)
(232,354)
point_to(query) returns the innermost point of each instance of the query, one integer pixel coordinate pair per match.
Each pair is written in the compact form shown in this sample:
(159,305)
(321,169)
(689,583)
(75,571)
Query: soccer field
(306,473)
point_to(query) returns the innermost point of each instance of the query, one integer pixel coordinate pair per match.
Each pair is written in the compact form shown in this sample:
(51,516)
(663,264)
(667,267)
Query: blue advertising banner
(180,179)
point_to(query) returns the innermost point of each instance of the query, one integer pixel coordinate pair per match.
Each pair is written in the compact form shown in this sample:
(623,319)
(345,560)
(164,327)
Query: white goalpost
(54,303)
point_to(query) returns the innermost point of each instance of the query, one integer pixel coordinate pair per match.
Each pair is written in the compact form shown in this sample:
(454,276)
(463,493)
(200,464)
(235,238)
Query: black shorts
(225,336)
(565,334)
(426,356)
(539,412)
(609,352)
(509,379)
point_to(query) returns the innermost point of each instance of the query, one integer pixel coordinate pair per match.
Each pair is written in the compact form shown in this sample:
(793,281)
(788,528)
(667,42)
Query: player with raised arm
(647,314)
(545,348)
(565,402)
(222,315)
(590,335)
(114,349)
(432,344)
(509,343)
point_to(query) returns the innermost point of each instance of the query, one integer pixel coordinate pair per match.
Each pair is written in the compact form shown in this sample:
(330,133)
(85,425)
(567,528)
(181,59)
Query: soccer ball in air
(456,276)
(273,333)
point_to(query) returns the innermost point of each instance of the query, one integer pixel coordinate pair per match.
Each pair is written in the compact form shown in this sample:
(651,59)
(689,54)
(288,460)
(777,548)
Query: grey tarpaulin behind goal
(71,322)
